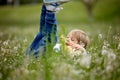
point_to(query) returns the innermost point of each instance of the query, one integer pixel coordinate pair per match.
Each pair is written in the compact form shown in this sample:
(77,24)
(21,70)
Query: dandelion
(100,36)
(15,48)
(118,46)
(3,50)
(115,37)
(104,50)
(111,56)
(109,68)
(6,42)
(25,40)
(85,61)
(5,59)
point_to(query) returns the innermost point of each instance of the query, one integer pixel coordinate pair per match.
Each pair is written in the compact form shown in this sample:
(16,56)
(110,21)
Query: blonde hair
(80,36)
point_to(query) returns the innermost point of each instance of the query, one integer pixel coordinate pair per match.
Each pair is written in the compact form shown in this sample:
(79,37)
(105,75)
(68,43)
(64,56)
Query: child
(48,27)
(76,42)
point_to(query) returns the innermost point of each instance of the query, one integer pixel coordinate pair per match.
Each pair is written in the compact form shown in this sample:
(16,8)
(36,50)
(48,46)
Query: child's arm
(73,45)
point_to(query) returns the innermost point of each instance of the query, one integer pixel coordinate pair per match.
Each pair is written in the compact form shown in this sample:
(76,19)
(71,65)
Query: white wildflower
(109,68)
(25,40)
(115,37)
(108,52)
(76,53)
(6,42)
(5,59)
(104,50)
(100,36)
(119,46)
(111,56)
(106,43)
(15,48)
(85,61)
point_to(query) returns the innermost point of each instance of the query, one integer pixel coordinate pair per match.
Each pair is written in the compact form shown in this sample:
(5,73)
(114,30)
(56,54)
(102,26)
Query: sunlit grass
(19,25)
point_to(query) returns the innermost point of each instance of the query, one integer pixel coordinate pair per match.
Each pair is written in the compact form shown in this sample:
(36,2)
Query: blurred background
(13,12)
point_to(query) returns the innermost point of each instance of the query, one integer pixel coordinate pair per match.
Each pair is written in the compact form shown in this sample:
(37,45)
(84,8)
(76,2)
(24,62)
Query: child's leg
(42,23)
(50,32)
(39,35)
(51,27)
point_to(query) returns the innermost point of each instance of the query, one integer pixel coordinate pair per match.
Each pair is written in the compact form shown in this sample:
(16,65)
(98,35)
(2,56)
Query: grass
(18,26)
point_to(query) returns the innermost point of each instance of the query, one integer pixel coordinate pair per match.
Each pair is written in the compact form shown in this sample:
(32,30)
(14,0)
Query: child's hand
(69,42)
(57,47)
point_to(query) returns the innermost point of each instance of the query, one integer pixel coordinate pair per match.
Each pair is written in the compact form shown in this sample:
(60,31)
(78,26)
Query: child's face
(70,40)
(73,40)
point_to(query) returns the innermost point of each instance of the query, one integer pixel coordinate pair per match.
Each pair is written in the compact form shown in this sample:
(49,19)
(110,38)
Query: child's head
(78,37)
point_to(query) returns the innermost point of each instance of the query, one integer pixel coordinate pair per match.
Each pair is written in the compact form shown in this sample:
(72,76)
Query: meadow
(19,25)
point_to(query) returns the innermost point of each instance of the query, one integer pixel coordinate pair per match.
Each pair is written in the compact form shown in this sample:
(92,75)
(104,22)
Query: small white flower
(85,61)
(5,59)
(104,50)
(119,46)
(100,36)
(15,48)
(25,40)
(5,42)
(109,68)
(111,56)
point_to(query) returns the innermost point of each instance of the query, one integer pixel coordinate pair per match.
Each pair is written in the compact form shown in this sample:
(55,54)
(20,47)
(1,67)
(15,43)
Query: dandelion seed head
(5,43)
(85,61)
(104,50)
(100,36)
(106,44)
(111,56)
(115,37)
(118,46)
(109,68)
(15,48)
(5,59)
(25,40)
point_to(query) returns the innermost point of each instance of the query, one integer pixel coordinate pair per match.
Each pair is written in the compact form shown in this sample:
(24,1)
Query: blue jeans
(47,32)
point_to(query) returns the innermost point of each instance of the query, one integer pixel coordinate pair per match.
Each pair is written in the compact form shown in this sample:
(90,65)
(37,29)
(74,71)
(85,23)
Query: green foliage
(107,9)
(29,1)
(18,26)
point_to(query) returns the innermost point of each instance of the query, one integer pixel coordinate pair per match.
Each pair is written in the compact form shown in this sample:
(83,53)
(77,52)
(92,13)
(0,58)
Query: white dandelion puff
(15,48)
(100,36)
(85,61)
(111,56)
(109,68)
(6,42)
(25,40)
(5,59)
(118,46)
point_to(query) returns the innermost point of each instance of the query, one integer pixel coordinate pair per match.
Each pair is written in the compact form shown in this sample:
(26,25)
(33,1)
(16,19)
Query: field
(19,25)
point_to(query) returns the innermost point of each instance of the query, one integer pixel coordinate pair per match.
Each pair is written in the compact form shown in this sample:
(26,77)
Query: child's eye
(72,40)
